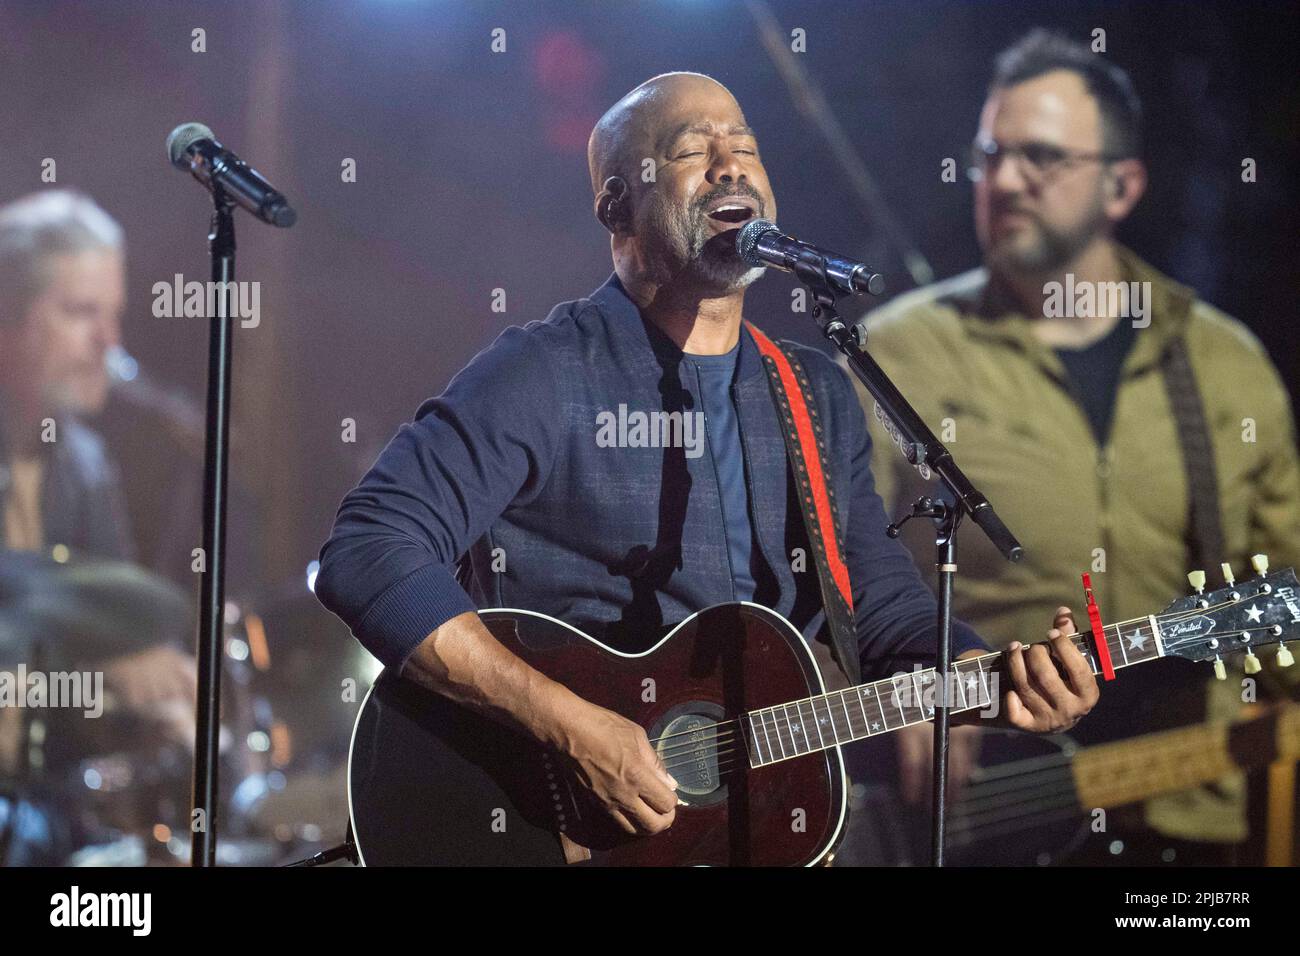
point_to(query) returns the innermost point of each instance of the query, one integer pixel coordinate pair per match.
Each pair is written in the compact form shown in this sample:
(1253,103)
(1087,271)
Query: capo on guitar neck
(1098,632)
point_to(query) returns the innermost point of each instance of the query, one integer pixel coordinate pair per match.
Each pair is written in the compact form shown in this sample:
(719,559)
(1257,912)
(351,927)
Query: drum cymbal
(86,607)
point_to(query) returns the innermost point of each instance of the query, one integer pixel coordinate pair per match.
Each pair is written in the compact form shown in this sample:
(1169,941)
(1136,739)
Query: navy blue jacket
(620,542)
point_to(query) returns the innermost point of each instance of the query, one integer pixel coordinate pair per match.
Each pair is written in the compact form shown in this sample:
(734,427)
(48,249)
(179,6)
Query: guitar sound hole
(698,750)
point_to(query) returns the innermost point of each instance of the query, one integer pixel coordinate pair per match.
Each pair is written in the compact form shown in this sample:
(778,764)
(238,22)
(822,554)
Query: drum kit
(104,784)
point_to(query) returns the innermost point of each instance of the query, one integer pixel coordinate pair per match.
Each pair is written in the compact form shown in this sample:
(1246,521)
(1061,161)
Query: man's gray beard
(720,268)
(727,275)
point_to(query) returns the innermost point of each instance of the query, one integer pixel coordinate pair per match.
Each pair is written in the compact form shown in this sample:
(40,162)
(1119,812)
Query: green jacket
(1003,404)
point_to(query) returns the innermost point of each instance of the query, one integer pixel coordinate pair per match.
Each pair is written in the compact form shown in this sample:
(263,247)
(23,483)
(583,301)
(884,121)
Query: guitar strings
(1117,643)
(993,830)
(998,782)
(689,743)
(999,803)
(1021,813)
(1030,800)
(685,755)
(1034,789)
(680,733)
(678,749)
(1133,748)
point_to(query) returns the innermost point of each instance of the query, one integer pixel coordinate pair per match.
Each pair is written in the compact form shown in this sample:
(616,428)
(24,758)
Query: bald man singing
(513,467)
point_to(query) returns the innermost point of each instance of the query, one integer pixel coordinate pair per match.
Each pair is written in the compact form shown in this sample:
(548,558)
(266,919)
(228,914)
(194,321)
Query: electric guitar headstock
(1236,618)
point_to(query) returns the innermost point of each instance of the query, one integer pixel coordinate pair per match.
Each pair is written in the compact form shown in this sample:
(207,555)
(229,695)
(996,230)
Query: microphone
(760,243)
(192,148)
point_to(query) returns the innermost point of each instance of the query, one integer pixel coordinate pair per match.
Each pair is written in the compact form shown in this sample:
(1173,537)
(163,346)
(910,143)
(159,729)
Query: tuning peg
(1197,580)
(1226,568)
(1220,672)
(1284,658)
(1260,563)
(1251,664)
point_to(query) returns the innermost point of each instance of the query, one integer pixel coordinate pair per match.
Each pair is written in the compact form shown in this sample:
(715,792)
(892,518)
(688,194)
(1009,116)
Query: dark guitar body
(431,783)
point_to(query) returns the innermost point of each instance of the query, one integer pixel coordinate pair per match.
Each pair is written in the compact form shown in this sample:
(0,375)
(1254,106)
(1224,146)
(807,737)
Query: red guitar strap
(805,447)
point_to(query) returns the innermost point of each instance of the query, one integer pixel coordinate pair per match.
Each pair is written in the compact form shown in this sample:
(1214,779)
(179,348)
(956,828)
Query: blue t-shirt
(715,375)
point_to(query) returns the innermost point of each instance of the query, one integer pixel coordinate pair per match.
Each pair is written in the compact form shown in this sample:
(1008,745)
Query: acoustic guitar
(734,704)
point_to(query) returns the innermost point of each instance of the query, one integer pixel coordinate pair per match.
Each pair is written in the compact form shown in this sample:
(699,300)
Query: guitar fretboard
(801,727)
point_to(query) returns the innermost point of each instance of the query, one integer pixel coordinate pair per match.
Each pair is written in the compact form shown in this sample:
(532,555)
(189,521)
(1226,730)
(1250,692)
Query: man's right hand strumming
(615,762)
(612,757)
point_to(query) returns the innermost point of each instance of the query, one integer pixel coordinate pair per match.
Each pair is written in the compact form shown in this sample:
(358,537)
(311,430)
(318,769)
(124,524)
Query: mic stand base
(347,850)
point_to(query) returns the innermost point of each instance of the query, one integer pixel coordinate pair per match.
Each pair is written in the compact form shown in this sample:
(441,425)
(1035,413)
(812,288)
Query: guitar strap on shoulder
(805,446)
(1205,525)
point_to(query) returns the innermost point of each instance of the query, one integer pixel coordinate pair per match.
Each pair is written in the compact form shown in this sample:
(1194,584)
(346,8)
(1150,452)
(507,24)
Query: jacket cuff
(404,615)
(964,638)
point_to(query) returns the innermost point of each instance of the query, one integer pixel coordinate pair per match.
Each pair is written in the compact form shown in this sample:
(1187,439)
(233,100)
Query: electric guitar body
(432,783)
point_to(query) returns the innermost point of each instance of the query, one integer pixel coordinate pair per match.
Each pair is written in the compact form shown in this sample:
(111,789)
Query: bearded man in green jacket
(1052,374)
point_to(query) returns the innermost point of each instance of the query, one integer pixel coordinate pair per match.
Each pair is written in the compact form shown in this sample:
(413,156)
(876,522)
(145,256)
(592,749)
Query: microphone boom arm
(918,444)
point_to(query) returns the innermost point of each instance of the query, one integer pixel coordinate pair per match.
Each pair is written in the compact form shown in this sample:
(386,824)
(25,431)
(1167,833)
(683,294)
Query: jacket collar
(994,315)
(644,343)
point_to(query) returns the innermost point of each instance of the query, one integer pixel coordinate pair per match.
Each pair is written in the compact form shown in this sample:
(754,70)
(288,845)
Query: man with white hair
(62,292)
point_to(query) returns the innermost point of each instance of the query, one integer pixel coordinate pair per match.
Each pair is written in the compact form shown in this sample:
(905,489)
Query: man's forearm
(461,660)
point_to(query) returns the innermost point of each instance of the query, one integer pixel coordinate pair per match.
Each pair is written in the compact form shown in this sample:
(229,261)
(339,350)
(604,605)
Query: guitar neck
(1108,775)
(880,707)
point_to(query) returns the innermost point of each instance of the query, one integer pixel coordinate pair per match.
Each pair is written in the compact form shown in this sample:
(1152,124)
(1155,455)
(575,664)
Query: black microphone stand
(925,452)
(221,245)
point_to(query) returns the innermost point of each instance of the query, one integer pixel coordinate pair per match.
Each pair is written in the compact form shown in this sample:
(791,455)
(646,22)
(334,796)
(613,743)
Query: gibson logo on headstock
(1288,597)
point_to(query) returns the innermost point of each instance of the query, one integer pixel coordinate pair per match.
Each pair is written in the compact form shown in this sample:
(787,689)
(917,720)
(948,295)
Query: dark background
(472,175)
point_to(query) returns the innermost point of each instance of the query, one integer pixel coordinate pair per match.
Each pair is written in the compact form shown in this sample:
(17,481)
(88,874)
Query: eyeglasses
(1038,162)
